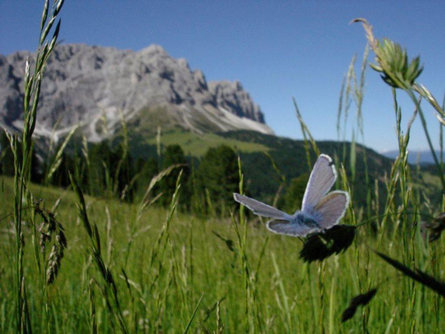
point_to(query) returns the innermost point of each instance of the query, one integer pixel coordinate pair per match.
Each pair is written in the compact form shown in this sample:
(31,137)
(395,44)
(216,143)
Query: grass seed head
(362,299)
(333,241)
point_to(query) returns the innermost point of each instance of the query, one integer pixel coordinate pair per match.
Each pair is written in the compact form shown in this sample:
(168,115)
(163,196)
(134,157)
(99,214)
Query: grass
(161,294)
(193,143)
(141,268)
(197,145)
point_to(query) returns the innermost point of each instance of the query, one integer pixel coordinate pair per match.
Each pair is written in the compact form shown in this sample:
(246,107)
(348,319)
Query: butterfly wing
(322,179)
(260,208)
(331,209)
(286,227)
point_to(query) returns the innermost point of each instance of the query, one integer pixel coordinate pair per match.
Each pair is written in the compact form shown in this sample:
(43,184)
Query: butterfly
(320,210)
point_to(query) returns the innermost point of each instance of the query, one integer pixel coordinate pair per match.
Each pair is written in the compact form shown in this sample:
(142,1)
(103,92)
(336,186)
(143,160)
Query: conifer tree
(218,178)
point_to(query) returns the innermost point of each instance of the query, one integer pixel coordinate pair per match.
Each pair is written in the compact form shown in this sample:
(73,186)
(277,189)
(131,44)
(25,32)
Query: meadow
(71,263)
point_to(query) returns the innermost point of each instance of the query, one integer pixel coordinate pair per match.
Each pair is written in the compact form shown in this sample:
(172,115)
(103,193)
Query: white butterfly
(320,210)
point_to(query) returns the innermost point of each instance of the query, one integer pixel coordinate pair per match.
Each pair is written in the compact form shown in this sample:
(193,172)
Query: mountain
(95,86)
(414,157)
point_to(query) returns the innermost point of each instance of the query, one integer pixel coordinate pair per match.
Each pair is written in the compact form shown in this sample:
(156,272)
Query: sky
(278,50)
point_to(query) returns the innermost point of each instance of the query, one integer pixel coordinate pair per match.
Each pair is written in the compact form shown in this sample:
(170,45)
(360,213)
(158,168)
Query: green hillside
(196,145)
(260,152)
(270,162)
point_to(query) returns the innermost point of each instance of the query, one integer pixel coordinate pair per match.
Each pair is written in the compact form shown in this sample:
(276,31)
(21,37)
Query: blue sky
(277,49)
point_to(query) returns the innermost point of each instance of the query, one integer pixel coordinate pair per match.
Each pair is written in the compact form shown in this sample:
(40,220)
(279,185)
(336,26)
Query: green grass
(286,293)
(145,125)
(197,145)
(150,118)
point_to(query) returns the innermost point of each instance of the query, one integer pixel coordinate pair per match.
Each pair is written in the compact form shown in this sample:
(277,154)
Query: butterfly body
(306,220)
(296,225)
(320,210)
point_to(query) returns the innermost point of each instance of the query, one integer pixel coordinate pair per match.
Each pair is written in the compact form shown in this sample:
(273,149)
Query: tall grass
(22,162)
(146,269)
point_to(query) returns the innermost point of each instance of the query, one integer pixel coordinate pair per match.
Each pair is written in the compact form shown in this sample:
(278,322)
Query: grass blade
(193,315)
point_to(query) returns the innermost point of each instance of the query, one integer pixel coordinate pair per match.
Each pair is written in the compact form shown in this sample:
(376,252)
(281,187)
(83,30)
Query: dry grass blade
(362,299)
(417,275)
(333,241)
(423,91)
(368,29)
(307,136)
(58,156)
(214,307)
(158,177)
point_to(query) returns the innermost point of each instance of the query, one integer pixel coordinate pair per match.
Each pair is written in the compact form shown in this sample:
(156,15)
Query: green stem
(430,144)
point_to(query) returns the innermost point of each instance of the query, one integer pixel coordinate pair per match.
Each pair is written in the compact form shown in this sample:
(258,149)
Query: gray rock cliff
(85,85)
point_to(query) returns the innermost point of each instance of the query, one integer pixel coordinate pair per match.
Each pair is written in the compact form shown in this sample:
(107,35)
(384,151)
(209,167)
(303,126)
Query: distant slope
(414,157)
(290,157)
(259,152)
(193,144)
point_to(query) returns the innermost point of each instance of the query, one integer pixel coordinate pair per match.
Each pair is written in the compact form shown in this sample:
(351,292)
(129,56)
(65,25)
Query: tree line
(108,170)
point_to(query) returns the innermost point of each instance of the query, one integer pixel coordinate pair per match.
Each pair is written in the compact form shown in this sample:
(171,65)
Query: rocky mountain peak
(153,50)
(232,96)
(84,85)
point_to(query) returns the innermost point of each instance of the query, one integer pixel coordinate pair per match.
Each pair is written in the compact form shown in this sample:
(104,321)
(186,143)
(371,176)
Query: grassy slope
(143,130)
(259,153)
(286,294)
(196,145)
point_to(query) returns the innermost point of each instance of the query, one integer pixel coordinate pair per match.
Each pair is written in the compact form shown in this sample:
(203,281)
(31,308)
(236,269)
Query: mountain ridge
(423,157)
(91,85)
